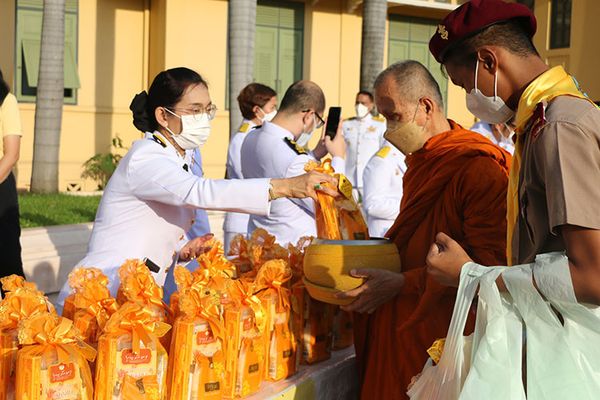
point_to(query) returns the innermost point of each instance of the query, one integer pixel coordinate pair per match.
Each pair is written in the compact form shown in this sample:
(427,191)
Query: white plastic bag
(444,380)
(495,372)
(563,360)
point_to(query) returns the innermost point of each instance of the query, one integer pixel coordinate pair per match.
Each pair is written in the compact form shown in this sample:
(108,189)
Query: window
(278,46)
(560,24)
(528,3)
(27,49)
(409,40)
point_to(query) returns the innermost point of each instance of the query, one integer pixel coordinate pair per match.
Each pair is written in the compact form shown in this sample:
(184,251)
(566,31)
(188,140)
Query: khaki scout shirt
(559,178)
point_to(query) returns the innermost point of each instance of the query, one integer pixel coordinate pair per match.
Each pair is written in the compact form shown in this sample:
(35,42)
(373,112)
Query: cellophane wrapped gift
(312,323)
(271,287)
(53,362)
(22,301)
(77,278)
(132,363)
(343,329)
(296,257)
(197,362)
(244,329)
(138,286)
(91,303)
(248,255)
(337,218)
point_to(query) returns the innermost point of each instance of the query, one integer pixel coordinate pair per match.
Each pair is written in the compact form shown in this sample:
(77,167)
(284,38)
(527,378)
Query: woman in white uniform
(258,103)
(149,202)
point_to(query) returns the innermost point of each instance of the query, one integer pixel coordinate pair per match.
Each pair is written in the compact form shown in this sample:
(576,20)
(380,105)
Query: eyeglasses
(321,121)
(198,112)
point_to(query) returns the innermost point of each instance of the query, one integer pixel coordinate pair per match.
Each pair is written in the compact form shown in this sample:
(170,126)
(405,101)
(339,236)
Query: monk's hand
(379,287)
(445,260)
(196,247)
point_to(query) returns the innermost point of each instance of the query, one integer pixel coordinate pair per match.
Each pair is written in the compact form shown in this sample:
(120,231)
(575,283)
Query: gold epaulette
(378,118)
(295,146)
(383,152)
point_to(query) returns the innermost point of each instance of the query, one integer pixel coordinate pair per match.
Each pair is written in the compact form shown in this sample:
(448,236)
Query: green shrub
(101,166)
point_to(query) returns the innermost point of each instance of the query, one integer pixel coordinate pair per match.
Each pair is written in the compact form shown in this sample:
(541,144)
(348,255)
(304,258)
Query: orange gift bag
(77,278)
(53,362)
(22,301)
(132,363)
(338,218)
(244,328)
(197,362)
(271,288)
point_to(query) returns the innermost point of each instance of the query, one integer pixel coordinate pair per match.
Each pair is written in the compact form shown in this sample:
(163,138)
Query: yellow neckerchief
(549,85)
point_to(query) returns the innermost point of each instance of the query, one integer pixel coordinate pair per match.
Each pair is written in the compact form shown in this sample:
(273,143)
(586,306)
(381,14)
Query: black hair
(302,96)
(4,89)
(166,90)
(366,93)
(254,94)
(511,35)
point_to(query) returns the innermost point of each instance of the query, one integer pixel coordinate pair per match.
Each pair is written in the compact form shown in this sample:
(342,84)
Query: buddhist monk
(456,182)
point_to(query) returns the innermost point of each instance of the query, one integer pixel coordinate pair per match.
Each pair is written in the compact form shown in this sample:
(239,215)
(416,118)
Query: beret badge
(442,32)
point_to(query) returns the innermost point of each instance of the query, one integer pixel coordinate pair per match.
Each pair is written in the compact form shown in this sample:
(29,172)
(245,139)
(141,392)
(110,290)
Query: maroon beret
(474,16)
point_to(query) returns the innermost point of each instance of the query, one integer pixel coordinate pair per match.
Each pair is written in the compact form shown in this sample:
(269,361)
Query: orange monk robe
(456,184)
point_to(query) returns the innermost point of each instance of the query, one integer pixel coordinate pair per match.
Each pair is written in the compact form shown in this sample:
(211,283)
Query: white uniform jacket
(270,152)
(149,204)
(383,189)
(237,222)
(364,137)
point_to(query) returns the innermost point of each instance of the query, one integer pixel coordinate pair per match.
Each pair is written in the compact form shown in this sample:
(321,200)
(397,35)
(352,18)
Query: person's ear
(488,58)
(161,117)
(255,110)
(428,104)
(307,118)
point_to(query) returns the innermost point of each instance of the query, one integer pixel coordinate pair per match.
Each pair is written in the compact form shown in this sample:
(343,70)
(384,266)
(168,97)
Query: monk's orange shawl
(456,184)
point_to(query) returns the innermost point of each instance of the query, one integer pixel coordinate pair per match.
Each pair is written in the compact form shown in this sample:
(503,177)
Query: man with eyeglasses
(278,150)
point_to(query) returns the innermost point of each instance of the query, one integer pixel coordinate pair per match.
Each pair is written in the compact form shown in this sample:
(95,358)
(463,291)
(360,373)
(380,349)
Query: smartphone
(333,120)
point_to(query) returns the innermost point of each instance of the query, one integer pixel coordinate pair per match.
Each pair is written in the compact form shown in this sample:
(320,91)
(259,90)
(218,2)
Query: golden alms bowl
(327,263)
(325,294)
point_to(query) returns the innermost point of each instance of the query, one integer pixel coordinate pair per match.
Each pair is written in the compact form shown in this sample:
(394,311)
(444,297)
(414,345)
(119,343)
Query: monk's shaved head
(412,80)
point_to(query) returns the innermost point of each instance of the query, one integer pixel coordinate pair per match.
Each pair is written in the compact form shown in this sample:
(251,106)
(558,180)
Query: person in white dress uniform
(278,150)
(364,137)
(149,202)
(258,104)
(383,189)
(499,134)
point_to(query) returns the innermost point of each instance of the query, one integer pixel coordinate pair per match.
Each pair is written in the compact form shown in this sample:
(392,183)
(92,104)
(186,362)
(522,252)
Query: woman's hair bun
(139,108)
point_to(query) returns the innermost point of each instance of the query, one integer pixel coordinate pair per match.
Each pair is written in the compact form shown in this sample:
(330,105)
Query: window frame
(560,33)
(28,94)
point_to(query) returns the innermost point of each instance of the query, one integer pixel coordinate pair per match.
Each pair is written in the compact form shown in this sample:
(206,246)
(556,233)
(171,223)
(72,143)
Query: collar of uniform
(187,153)
(277,130)
(366,118)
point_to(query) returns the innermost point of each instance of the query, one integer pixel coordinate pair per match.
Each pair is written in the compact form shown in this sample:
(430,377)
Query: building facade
(113,49)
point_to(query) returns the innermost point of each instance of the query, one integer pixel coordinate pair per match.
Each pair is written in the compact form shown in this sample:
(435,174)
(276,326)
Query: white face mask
(195,130)
(268,117)
(361,110)
(492,110)
(305,136)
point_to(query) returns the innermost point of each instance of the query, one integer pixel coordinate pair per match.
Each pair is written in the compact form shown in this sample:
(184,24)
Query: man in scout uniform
(383,189)
(277,149)
(554,190)
(364,137)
